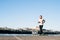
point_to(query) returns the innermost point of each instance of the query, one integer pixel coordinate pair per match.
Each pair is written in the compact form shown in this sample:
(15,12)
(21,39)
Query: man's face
(40,17)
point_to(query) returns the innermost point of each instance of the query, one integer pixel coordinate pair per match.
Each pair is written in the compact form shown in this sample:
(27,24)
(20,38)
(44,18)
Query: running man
(41,23)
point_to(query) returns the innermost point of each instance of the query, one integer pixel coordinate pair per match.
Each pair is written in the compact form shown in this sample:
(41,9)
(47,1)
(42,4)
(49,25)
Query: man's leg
(40,30)
(41,26)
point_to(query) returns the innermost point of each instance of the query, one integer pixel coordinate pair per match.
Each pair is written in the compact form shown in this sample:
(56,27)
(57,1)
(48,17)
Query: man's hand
(38,22)
(43,21)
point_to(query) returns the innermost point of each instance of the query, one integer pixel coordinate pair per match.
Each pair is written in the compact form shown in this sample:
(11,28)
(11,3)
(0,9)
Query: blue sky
(25,13)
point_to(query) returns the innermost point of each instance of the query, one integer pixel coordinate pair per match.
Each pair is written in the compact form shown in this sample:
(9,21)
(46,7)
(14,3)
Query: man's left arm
(43,21)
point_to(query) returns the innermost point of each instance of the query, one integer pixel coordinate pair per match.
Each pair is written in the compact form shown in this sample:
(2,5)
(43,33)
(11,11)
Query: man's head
(40,16)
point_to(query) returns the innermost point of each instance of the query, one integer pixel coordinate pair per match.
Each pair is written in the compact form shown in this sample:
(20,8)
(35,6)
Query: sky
(25,13)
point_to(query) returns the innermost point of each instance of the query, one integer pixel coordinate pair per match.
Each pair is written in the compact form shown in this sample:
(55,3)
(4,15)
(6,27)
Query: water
(26,35)
(54,35)
(16,35)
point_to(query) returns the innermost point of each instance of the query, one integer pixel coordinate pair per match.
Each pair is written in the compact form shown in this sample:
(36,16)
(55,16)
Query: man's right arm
(38,22)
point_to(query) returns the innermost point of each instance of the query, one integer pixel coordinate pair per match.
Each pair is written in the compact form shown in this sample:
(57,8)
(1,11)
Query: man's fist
(38,22)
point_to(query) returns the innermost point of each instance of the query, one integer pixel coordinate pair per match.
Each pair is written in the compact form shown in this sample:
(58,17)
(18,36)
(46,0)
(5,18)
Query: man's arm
(43,21)
(38,22)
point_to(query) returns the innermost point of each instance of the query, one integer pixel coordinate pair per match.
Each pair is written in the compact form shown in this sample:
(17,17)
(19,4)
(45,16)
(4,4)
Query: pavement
(29,37)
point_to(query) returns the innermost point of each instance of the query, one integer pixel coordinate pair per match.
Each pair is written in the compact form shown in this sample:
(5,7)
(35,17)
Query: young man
(41,22)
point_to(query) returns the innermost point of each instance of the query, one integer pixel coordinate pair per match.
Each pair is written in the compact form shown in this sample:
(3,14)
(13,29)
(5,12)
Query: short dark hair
(41,15)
